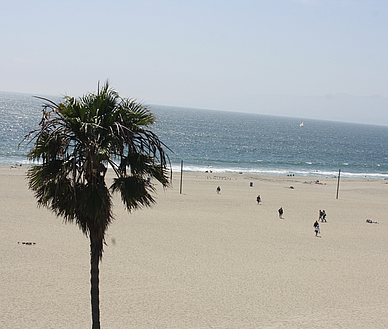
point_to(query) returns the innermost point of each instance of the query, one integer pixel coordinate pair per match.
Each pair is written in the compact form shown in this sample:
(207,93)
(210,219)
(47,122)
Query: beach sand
(203,260)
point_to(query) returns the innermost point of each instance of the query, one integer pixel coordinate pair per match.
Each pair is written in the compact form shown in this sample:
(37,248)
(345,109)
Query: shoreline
(231,172)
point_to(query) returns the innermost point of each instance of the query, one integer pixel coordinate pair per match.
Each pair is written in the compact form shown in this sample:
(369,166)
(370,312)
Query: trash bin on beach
(251,184)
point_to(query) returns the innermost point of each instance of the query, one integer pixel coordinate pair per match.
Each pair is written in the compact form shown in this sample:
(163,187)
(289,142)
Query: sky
(212,54)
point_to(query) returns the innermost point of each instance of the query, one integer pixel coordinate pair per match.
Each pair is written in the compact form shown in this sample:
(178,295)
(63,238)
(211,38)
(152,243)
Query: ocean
(230,142)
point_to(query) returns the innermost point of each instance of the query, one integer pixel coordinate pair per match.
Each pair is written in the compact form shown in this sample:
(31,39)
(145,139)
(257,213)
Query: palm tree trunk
(95,252)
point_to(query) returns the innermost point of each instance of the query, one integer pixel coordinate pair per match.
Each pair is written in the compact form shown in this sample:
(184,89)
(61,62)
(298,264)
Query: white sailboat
(301,124)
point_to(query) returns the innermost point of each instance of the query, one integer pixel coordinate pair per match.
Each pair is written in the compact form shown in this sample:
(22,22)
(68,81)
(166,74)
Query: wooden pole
(339,174)
(180,190)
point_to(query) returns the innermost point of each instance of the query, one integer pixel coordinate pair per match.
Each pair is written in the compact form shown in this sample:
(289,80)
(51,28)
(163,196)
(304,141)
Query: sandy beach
(200,259)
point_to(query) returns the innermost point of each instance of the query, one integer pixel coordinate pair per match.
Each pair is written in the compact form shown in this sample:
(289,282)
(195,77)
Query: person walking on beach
(258,199)
(324,216)
(218,189)
(316,228)
(280,212)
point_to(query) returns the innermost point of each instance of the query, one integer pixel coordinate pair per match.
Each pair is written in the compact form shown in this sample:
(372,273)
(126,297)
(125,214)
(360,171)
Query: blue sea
(229,142)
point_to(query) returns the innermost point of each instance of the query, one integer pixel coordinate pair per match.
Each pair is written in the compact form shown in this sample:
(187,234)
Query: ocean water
(227,142)
(19,114)
(251,143)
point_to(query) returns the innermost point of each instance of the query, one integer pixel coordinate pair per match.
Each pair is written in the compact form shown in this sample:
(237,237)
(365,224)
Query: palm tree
(75,143)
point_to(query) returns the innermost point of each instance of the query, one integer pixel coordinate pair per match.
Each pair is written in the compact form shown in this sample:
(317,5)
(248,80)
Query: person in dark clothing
(316,228)
(324,216)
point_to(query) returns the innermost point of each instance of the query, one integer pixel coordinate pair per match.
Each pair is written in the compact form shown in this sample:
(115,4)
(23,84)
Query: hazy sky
(198,53)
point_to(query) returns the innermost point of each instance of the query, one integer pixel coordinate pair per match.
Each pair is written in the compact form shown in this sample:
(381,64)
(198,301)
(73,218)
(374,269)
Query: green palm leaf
(72,148)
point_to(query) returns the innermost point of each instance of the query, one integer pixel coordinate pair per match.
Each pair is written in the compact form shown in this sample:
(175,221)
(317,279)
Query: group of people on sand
(322,217)
(322,213)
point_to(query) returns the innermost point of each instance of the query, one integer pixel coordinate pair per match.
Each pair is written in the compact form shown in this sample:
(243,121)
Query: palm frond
(134,191)
(75,142)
